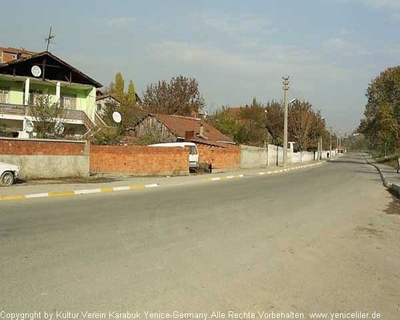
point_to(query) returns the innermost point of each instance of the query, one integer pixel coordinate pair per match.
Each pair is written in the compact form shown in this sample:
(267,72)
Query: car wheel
(7,178)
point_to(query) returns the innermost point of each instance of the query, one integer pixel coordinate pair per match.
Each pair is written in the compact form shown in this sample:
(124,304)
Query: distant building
(11,54)
(174,128)
(102,100)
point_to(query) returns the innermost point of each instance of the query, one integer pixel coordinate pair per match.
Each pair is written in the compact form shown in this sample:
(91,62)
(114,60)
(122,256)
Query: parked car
(8,173)
(193,151)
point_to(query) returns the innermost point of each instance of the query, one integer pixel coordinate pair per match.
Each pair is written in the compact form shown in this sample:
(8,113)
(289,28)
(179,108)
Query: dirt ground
(394,206)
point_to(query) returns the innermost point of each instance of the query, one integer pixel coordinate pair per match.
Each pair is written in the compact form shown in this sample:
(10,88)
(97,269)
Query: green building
(23,80)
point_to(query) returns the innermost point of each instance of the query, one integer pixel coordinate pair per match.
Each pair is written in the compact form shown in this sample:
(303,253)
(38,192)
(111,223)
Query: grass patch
(389,160)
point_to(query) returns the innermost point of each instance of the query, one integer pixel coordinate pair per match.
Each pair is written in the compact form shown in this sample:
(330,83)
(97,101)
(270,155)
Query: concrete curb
(395,189)
(77,192)
(261,173)
(135,187)
(392,187)
(379,170)
(290,169)
(223,178)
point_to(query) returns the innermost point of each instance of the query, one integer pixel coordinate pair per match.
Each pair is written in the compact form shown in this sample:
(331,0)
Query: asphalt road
(313,240)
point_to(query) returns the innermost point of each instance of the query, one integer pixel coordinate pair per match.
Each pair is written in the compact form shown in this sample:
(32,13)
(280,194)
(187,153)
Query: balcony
(13,115)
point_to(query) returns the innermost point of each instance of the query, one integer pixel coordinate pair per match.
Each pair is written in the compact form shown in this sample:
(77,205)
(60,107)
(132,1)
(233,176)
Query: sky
(331,50)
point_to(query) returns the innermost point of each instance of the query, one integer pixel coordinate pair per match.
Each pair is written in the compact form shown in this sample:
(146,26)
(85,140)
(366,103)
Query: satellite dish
(29,126)
(116,117)
(36,71)
(59,127)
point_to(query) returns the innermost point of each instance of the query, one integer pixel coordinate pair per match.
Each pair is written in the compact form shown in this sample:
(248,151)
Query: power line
(298,93)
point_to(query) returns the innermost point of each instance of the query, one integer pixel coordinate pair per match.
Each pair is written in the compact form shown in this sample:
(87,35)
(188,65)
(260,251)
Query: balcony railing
(12,109)
(67,114)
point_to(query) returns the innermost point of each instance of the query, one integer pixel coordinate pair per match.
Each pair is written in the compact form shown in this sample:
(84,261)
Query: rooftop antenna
(49,39)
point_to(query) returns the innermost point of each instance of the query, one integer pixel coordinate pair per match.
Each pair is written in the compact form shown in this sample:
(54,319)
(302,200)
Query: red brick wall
(138,160)
(220,158)
(41,147)
(135,160)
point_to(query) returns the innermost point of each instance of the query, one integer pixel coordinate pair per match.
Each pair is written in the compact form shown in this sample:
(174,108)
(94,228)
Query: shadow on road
(340,161)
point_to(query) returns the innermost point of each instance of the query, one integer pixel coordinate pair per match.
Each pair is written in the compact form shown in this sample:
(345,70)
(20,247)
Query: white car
(193,151)
(8,173)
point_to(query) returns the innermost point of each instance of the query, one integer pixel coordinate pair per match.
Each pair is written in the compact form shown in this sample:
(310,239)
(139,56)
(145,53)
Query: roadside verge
(390,178)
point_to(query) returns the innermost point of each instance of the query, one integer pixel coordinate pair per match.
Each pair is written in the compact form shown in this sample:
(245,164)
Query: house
(22,81)
(174,128)
(103,100)
(10,54)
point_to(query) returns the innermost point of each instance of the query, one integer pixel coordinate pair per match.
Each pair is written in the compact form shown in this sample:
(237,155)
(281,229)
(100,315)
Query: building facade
(23,82)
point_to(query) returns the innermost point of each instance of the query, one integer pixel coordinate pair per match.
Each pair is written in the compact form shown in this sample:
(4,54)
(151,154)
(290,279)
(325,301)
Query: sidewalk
(114,183)
(389,175)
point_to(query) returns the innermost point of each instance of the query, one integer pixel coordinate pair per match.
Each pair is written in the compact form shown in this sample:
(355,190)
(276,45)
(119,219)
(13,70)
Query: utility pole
(285,122)
(320,147)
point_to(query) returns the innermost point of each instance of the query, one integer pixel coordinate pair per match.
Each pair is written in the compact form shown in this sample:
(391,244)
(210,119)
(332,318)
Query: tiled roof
(7,68)
(105,96)
(17,50)
(180,124)
(235,111)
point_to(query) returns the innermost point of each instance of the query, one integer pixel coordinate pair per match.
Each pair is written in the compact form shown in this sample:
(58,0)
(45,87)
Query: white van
(193,151)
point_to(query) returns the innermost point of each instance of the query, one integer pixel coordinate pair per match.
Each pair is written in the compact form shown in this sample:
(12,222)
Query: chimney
(189,135)
(201,134)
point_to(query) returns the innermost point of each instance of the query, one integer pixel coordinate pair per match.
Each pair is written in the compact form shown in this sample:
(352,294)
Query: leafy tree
(318,131)
(252,129)
(256,124)
(300,123)
(119,89)
(130,114)
(149,137)
(128,108)
(181,96)
(225,121)
(131,95)
(274,121)
(357,142)
(106,136)
(381,124)
(45,114)
(305,126)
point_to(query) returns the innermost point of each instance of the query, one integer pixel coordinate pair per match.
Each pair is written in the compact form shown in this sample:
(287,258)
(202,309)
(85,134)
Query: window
(68,102)
(192,150)
(4,94)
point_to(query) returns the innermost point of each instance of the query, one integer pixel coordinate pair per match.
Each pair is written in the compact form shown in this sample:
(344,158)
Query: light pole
(285,116)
